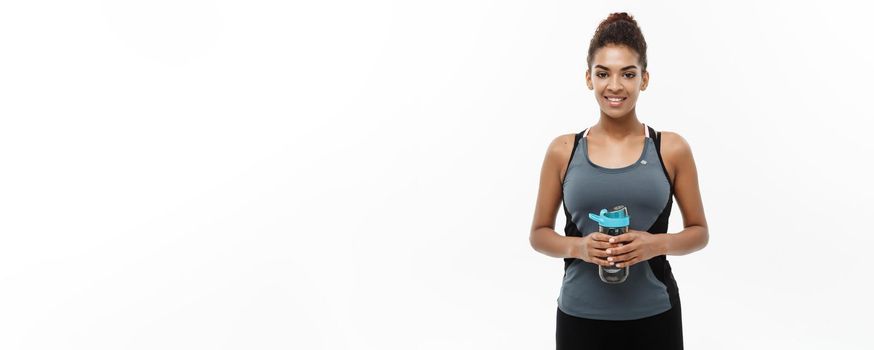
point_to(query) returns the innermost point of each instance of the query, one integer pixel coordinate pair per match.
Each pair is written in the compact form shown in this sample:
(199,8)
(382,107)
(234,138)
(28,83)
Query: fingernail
(608,251)
(610,259)
(612,240)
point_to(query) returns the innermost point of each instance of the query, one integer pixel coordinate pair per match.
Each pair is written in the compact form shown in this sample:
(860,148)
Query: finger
(628,263)
(599,261)
(607,244)
(624,248)
(602,245)
(623,258)
(601,253)
(598,236)
(625,237)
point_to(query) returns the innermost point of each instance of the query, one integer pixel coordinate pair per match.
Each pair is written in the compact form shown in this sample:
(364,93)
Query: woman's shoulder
(674,146)
(562,144)
(559,149)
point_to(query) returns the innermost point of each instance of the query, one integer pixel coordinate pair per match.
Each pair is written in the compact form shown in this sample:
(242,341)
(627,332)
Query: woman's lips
(612,103)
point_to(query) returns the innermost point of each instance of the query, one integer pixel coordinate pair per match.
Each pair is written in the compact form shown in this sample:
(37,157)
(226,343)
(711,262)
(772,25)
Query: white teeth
(616,99)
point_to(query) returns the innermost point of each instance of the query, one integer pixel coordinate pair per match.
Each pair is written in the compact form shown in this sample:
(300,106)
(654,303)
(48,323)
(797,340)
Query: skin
(616,141)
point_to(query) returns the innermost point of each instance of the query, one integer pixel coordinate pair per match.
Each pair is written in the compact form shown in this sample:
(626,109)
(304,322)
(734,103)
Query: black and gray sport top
(644,187)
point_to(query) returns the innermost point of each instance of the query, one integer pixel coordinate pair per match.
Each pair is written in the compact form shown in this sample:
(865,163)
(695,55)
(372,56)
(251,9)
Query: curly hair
(619,28)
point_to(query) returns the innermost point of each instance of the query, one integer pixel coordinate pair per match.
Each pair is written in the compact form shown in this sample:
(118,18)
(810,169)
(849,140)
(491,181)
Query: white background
(182,174)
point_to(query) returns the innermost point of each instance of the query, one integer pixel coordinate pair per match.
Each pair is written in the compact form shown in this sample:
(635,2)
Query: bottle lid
(617,217)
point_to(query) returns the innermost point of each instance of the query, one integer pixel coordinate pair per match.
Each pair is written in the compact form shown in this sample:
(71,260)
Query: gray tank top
(644,188)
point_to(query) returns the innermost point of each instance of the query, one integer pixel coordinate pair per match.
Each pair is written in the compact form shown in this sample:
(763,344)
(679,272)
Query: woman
(618,161)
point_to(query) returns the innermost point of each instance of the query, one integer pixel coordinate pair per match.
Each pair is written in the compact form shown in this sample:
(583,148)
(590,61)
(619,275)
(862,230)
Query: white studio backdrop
(362,175)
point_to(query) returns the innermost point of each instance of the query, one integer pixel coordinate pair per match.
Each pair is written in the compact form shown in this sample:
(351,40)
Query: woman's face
(616,72)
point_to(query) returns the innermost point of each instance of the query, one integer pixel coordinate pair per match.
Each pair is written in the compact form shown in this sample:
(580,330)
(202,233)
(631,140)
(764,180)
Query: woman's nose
(613,84)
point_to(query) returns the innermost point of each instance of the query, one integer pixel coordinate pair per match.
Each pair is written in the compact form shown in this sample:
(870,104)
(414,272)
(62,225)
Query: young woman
(618,161)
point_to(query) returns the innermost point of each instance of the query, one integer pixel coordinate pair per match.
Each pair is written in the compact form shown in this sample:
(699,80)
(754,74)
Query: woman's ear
(589,80)
(645,79)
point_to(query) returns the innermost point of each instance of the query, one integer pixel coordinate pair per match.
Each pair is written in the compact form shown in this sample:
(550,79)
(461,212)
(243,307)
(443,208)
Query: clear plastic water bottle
(614,222)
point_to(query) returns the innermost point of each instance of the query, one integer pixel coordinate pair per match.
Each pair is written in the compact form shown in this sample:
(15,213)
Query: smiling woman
(617,53)
(618,161)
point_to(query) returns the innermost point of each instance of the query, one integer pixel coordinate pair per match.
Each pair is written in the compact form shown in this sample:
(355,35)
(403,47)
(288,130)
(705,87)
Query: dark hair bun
(617,16)
(618,28)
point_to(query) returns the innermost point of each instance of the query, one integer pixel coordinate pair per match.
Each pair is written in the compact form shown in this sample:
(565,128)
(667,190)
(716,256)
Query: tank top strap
(647,131)
(657,141)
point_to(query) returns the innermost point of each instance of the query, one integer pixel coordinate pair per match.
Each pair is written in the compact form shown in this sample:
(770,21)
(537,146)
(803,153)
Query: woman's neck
(619,128)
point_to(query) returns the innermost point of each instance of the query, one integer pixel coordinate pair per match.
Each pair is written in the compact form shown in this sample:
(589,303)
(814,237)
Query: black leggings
(662,331)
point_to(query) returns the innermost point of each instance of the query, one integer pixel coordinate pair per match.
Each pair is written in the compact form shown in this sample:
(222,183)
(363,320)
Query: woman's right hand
(592,248)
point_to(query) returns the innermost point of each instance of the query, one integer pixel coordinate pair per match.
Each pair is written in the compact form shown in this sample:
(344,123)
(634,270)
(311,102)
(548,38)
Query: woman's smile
(615,101)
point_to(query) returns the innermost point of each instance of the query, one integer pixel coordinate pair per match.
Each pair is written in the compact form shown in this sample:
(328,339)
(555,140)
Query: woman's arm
(695,235)
(543,237)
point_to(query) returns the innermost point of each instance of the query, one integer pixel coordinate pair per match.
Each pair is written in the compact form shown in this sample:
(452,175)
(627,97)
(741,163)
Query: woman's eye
(604,74)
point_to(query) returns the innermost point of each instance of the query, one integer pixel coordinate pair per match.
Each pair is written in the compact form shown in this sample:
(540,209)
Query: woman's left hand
(634,247)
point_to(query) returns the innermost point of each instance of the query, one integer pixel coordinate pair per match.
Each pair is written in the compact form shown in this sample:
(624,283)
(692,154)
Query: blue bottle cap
(618,217)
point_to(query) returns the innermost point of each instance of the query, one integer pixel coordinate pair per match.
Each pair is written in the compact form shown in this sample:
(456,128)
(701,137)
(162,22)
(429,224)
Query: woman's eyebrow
(624,68)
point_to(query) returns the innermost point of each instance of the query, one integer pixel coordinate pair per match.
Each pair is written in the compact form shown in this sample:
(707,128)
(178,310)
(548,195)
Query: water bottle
(614,223)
